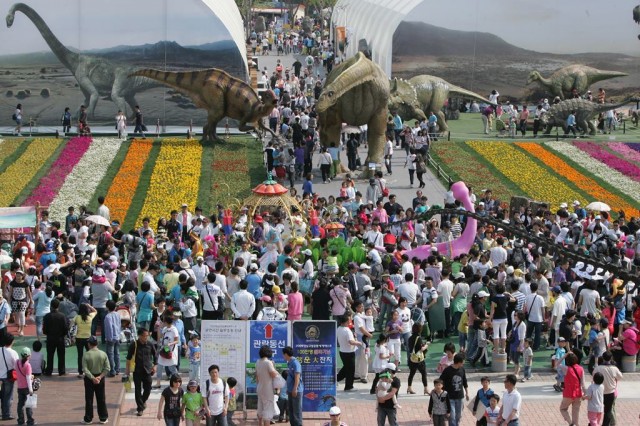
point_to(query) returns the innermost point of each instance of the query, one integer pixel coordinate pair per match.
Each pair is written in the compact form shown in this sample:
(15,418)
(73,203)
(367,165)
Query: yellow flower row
(175,179)
(536,181)
(8,147)
(20,173)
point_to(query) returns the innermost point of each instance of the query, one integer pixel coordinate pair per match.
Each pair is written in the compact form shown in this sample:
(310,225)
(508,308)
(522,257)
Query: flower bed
(532,178)
(625,150)
(470,169)
(18,175)
(174,180)
(622,183)
(585,183)
(124,186)
(8,147)
(49,185)
(80,185)
(598,152)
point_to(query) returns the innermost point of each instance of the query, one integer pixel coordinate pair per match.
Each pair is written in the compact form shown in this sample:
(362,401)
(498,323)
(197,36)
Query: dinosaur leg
(117,96)
(442,122)
(376,135)
(209,129)
(130,99)
(88,88)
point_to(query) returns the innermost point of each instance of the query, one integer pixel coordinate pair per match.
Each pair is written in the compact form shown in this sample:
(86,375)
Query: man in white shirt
(348,345)
(210,293)
(201,270)
(445,288)
(289,269)
(102,209)
(10,357)
(362,335)
(559,308)
(243,253)
(534,310)
(498,254)
(150,277)
(409,290)
(243,304)
(407,266)
(216,392)
(511,402)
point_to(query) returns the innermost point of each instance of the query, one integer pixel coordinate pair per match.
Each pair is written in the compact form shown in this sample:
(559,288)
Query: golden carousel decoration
(270,196)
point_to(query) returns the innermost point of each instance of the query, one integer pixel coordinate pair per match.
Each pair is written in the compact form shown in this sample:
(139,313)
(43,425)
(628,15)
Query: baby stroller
(70,338)
(126,324)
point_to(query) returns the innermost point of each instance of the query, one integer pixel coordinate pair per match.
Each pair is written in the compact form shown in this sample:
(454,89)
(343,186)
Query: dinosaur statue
(404,99)
(356,92)
(431,93)
(636,15)
(95,76)
(585,110)
(579,77)
(221,95)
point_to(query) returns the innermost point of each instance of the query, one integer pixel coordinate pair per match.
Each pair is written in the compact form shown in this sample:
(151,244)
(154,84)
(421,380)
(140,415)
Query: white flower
(622,183)
(81,184)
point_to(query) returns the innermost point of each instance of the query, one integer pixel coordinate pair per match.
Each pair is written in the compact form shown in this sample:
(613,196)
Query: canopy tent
(375,21)
(227,11)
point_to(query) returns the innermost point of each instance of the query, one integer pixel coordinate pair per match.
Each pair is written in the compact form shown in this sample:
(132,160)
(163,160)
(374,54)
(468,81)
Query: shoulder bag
(12,375)
(416,357)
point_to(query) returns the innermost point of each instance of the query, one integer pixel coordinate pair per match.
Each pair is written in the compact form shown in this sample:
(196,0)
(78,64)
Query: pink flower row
(599,153)
(51,183)
(629,151)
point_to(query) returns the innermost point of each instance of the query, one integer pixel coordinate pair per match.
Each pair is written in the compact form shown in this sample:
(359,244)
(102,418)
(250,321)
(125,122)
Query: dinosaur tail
(189,81)
(468,93)
(600,75)
(607,107)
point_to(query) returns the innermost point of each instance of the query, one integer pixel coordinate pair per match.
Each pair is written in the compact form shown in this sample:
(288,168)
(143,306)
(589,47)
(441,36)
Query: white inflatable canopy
(227,11)
(375,21)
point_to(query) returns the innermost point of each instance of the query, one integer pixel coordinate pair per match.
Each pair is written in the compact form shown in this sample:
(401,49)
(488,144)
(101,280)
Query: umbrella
(598,206)
(334,225)
(97,219)
(4,259)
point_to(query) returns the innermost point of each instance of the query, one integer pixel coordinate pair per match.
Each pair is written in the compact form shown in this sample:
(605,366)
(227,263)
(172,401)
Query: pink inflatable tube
(459,245)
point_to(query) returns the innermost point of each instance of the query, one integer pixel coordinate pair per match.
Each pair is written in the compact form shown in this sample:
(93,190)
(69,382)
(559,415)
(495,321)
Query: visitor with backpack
(217,396)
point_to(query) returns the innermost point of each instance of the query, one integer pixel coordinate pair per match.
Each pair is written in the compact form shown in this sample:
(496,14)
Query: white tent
(227,11)
(375,21)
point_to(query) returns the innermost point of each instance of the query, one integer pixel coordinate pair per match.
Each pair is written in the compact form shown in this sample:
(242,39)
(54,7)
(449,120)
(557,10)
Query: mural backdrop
(72,52)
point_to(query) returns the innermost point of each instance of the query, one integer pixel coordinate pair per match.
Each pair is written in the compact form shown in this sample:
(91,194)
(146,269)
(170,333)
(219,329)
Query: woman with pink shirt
(296,303)
(25,386)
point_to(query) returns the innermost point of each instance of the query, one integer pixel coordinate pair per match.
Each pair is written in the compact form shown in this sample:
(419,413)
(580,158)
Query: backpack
(224,389)
(14,117)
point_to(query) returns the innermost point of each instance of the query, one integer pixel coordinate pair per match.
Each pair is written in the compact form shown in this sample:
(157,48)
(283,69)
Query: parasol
(97,219)
(334,225)
(598,206)
(4,259)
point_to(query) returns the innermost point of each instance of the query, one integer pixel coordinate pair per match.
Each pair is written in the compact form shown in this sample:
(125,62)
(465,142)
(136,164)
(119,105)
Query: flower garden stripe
(622,183)
(534,179)
(8,147)
(49,185)
(81,183)
(471,169)
(598,152)
(175,179)
(583,182)
(19,174)
(124,186)
(625,150)
(230,172)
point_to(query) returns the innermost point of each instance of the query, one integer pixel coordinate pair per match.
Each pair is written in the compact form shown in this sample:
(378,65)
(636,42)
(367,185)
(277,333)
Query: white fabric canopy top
(227,11)
(375,21)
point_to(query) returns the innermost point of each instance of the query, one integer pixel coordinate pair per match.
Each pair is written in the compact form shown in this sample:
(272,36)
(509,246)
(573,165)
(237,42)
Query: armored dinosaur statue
(431,92)
(356,92)
(221,95)
(95,76)
(562,82)
(403,98)
(585,110)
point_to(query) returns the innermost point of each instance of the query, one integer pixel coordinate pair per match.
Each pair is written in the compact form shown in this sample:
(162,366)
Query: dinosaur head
(269,99)
(533,76)
(327,99)
(10,16)
(404,100)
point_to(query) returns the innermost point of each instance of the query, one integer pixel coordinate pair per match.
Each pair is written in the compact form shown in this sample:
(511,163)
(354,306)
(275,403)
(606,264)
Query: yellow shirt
(170,280)
(84,327)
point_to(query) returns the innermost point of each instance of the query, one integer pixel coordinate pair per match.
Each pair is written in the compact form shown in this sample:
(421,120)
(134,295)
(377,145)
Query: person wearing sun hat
(334,413)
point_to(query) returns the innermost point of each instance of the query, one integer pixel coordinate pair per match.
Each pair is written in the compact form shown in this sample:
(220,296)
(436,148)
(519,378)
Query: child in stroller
(126,323)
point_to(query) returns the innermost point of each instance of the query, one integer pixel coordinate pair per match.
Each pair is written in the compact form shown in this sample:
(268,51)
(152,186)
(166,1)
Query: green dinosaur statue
(221,95)
(431,92)
(585,110)
(404,100)
(356,92)
(579,77)
(95,76)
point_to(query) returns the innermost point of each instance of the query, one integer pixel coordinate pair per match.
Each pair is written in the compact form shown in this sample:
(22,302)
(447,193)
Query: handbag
(279,382)
(32,401)
(416,357)
(12,375)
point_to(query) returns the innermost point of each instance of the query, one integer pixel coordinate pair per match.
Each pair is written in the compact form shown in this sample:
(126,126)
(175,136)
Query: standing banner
(222,343)
(17,217)
(274,334)
(314,344)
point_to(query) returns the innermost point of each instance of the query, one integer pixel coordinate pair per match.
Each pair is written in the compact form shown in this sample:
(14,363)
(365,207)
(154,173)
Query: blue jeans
(294,409)
(6,392)
(472,343)
(99,320)
(387,413)
(219,420)
(527,371)
(462,340)
(172,422)
(39,326)
(536,329)
(456,412)
(113,353)
(405,342)
(22,399)
(385,311)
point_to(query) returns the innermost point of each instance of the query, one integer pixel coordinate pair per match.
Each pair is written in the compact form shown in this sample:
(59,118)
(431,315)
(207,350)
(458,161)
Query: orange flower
(124,186)
(583,182)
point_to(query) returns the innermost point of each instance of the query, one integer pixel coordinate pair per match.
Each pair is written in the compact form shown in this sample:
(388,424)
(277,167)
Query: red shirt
(572,386)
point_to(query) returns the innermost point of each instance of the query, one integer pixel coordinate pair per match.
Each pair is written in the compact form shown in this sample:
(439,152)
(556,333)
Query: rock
(7,72)
(43,70)
(27,91)
(21,94)
(9,93)
(45,93)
